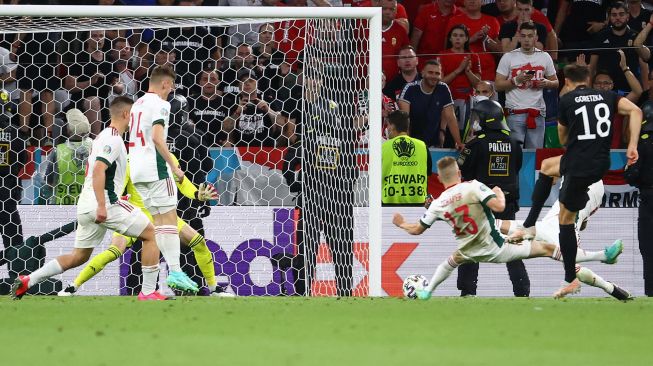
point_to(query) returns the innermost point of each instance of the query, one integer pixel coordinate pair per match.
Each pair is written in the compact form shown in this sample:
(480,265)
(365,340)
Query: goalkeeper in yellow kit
(188,236)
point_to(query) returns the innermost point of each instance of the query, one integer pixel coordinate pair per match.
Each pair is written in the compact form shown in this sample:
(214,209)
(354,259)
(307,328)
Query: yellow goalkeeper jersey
(186,187)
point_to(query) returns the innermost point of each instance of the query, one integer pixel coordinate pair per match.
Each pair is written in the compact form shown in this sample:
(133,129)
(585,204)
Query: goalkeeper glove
(206,192)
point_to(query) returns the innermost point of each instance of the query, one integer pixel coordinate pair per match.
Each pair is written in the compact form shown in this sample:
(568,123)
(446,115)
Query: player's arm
(99,181)
(627,108)
(411,228)
(497,202)
(449,118)
(562,133)
(162,149)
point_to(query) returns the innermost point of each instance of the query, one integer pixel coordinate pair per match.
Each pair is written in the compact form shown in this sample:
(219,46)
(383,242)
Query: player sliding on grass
(99,207)
(547,230)
(188,236)
(467,207)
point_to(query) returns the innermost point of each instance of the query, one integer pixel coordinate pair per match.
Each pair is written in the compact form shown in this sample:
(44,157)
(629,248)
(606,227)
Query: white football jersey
(145,163)
(109,148)
(548,229)
(463,207)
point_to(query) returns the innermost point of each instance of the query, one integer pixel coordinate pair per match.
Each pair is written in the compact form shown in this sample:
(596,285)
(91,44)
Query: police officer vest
(404,170)
(71,175)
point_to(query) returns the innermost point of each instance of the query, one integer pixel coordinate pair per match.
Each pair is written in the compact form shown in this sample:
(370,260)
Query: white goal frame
(374,67)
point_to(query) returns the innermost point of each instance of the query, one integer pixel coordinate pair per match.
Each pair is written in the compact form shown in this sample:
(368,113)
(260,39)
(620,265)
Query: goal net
(279,109)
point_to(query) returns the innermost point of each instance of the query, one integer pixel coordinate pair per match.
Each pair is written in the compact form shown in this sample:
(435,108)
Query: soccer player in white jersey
(467,207)
(99,208)
(153,169)
(548,230)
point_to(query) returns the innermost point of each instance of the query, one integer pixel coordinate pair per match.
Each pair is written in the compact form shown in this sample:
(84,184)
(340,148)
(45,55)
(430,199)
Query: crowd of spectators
(243,83)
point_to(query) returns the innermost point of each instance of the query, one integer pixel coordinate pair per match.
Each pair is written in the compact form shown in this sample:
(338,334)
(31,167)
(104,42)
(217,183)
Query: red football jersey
(431,22)
(488,63)
(290,35)
(401,10)
(393,39)
(460,86)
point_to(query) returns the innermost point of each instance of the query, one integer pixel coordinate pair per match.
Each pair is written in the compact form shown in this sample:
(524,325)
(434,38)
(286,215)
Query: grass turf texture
(324,331)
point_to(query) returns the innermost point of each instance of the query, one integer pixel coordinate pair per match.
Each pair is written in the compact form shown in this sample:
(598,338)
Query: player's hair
(619,5)
(525,2)
(119,103)
(529,25)
(432,62)
(161,72)
(447,168)
(400,120)
(577,73)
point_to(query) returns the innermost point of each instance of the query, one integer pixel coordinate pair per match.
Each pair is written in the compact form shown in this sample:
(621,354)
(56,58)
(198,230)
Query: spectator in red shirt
(461,69)
(427,37)
(394,38)
(401,17)
(519,10)
(414,7)
(484,30)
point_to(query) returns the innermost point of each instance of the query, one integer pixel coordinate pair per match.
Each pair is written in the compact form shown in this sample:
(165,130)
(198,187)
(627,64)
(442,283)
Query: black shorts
(573,193)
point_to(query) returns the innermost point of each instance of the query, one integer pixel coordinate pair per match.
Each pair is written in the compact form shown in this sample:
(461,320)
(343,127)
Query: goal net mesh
(272,112)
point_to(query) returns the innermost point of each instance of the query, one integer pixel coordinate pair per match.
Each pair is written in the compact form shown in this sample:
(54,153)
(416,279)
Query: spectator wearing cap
(64,169)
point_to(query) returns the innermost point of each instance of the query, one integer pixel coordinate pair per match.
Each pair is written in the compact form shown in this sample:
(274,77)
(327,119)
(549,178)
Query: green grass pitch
(119,331)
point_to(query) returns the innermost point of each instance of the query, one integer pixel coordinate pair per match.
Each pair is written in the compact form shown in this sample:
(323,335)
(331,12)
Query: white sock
(167,239)
(587,256)
(441,273)
(581,255)
(150,274)
(50,269)
(586,275)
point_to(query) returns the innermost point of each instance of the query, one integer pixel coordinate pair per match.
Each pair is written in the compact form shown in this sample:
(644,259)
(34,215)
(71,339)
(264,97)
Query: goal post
(365,81)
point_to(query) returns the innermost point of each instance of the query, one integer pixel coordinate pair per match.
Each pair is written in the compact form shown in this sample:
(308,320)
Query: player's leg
(150,265)
(521,284)
(587,276)
(88,235)
(203,256)
(160,198)
(550,168)
(119,243)
(443,272)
